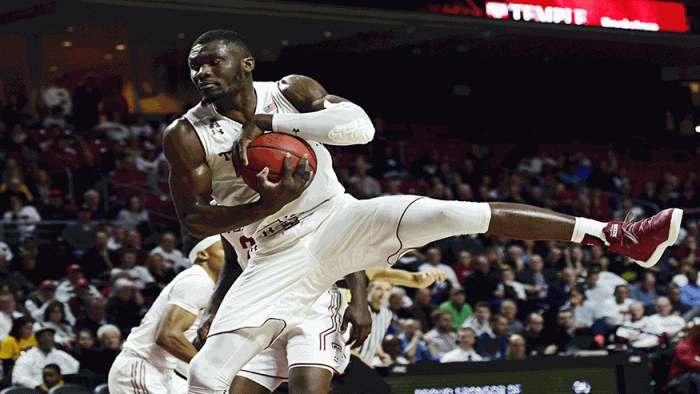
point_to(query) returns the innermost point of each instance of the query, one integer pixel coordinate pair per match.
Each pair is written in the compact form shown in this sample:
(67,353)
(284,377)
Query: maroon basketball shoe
(646,240)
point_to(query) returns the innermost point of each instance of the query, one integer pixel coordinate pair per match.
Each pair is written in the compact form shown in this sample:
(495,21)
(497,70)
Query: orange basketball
(269,150)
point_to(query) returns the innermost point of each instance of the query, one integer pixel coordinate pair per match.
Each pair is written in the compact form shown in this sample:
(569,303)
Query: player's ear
(203,255)
(248,64)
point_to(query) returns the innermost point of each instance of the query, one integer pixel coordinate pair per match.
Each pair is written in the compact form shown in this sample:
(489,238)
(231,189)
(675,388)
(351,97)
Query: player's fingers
(344,324)
(287,167)
(262,177)
(354,336)
(361,337)
(302,169)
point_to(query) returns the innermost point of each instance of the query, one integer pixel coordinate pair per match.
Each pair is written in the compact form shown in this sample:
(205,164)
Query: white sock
(591,227)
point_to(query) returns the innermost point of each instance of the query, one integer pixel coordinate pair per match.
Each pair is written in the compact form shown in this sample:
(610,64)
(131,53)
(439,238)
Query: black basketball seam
(279,149)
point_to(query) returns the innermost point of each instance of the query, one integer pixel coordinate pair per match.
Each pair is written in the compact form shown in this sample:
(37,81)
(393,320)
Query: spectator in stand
(66,286)
(558,292)
(491,344)
(84,350)
(440,290)
(161,273)
(508,287)
(80,234)
(684,374)
(95,317)
(538,340)
(479,321)
(93,203)
(509,310)
(20,220)
(8,314)
(133,242)
(127,267)
(584,313)
(391,353)
(41,187)
(592,290)
(615,309)
(85,104)
(125,178)
(515,348)
(99,260)
(38,300)
(110,340)
(422,308)
(680,308)
(79,302)
(483,282)
(645,289)
(124,307)
(536,278)
(112,128)
(51,377)
(463,267)
(20,340)
(173,257)
(457,307)
(441,338)
(29,366)
(465,351)
(141,128)
(134,216)
(688,252)
(158,179)
(635,332)
(397,305)
(362,185)
(13,279)
(566,331)
(117,236)
(664,322)
(415,349)
(56,209)
(55,318)
(14,186)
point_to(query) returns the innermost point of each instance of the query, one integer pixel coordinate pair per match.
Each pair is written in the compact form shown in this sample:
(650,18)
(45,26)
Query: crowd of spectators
(88,241)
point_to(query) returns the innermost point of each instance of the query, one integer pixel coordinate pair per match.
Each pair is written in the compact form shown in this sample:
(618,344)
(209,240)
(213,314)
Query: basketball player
(310,355)
(151,351)
(308,232)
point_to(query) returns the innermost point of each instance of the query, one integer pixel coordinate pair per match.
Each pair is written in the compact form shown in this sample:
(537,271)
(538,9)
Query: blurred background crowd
(88,234)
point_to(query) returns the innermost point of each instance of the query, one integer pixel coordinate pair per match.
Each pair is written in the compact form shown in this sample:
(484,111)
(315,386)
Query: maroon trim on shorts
(241,328)
(314,365)
(264,374)
(333,307)
(397,231)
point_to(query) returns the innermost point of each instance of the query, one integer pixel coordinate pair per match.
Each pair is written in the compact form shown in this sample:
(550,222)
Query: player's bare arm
(342,123)
(405,278)
(230,271)
(357,311)
(171,334)
(190,187)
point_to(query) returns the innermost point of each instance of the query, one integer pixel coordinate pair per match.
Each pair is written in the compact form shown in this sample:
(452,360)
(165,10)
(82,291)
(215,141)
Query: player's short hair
(227,36)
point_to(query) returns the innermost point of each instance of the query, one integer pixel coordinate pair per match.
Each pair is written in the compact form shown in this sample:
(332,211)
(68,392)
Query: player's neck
(239,106)
(214,275)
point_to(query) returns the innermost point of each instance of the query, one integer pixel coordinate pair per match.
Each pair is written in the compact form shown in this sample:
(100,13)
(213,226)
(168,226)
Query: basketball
(268,150)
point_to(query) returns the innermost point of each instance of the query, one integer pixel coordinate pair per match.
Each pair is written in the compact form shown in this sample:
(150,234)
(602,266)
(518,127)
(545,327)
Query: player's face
(216,70)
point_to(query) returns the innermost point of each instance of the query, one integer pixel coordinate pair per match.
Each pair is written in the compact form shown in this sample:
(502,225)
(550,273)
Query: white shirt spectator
(6,323)
(459,354)
(479,329)
(28,368)
(637,333)
(65,290)
(26,220)
(517,286)
(670,324)
(616,314)
(450,275)
(443,342)
(7,251)
(138,274)
(174,259)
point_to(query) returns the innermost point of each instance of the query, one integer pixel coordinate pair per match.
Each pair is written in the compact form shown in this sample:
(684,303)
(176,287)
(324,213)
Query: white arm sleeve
(342,123)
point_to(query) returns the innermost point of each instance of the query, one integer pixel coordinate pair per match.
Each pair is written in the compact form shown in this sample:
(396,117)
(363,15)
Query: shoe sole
(674,229)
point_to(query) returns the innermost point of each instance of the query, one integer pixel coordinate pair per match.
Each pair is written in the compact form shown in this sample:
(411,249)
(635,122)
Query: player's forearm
(203,220)
(177,345)
(342,123)
(358,288)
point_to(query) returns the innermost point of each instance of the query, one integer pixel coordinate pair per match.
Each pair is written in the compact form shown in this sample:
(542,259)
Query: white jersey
(191,290)
(218,133)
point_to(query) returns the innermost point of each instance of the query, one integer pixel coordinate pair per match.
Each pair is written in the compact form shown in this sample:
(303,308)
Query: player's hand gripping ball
(269,150)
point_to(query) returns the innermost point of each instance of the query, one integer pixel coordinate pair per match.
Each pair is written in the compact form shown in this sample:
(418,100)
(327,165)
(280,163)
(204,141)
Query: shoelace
(626,229)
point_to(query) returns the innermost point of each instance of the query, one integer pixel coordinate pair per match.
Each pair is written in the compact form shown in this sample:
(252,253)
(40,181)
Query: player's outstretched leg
(426,220)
